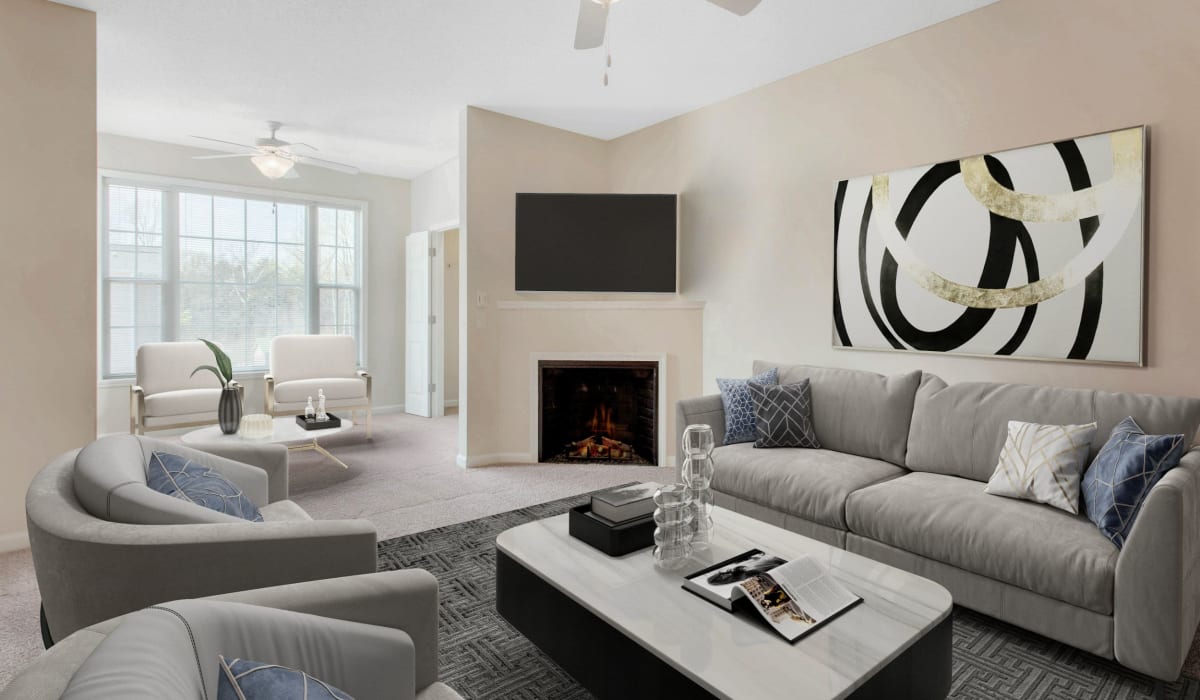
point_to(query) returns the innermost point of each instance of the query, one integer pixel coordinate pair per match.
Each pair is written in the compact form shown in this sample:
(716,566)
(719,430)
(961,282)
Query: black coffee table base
(611,665)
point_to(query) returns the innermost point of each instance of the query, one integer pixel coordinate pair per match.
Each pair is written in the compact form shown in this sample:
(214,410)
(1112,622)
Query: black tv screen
(596,242)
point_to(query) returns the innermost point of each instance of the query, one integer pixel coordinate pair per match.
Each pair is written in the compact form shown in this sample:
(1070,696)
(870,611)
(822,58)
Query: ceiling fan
(276,158)
(591,30)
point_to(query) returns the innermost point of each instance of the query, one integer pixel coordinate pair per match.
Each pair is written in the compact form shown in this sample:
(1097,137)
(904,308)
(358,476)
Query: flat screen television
(596,242)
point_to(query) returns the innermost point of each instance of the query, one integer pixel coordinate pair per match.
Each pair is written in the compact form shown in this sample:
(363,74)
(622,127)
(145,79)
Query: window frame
(173,187)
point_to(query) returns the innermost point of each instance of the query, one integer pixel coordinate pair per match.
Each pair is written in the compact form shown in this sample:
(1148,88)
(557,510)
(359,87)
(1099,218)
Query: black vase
(229,410)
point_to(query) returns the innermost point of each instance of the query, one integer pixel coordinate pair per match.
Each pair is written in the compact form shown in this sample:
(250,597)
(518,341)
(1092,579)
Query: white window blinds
(182,263)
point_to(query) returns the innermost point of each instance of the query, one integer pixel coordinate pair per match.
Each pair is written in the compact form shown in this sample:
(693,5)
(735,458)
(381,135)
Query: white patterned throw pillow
(1043,463)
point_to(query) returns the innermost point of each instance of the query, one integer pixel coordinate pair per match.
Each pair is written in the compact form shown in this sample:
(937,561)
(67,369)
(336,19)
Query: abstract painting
(1035,252)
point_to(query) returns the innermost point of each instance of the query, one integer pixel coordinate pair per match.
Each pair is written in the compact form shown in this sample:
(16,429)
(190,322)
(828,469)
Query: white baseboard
(450,403)
(14,541)
(495,458)
(384,410)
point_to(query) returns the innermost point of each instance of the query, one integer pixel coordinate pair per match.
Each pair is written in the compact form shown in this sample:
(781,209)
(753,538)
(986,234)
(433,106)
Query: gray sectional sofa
(900,479)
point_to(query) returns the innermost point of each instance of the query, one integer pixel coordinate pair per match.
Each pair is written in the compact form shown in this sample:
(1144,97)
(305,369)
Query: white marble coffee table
(285,430)
(624,628)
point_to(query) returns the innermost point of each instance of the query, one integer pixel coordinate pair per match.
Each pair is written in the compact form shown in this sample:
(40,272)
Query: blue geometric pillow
(1121,476)
(184,479)
(739,406)
(252,680)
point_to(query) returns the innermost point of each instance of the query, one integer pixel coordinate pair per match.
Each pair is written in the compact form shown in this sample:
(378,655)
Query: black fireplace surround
(598,411)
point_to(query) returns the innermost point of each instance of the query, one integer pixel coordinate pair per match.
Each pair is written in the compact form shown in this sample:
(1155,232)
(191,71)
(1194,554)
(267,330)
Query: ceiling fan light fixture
(272,165)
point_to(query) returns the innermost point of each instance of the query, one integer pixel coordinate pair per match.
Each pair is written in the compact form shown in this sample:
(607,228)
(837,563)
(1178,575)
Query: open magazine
(793,597)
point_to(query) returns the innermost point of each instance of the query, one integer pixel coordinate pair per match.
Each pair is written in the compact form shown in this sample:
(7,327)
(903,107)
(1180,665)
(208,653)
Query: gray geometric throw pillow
(783,415)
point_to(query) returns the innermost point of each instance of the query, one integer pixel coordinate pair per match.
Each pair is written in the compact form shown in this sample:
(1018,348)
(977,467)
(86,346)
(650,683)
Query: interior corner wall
(757,173)
(502,156)
(435,197)
(48,271)
(388,221)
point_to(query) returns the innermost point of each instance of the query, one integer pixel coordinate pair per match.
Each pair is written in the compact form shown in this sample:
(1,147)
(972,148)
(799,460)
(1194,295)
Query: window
(182,262)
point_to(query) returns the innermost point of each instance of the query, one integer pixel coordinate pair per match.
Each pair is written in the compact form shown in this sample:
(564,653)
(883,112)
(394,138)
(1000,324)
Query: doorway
(432,309)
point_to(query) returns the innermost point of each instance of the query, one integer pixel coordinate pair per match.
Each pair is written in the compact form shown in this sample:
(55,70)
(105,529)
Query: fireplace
(598,411)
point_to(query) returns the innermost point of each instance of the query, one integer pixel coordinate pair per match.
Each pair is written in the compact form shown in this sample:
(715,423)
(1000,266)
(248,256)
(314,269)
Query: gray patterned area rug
(482,656)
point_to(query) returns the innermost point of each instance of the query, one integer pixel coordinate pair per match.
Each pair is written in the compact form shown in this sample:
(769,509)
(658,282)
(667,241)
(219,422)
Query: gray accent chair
(105,544)
(900,479)
(373,636)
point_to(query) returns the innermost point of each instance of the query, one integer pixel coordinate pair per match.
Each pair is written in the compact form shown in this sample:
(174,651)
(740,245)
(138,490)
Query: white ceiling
(380,83)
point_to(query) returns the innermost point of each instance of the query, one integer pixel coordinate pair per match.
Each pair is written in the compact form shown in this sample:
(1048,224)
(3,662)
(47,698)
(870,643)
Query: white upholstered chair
(165,394)
(302,364)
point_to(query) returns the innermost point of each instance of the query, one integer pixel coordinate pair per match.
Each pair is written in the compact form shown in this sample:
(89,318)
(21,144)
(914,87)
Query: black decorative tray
(332,422)
(614,539)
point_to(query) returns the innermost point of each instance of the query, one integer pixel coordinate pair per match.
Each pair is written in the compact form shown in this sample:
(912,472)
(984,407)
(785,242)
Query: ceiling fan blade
(225,155)
(227,143)
(589,30)
(292,174)
(322,163)
(737,7)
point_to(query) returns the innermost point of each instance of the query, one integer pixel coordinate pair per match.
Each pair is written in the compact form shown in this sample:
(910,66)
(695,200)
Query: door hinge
(432,318)
(432,388)
(433,252)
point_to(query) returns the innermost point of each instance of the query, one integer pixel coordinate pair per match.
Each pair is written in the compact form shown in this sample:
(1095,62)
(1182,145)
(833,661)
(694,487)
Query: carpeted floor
(483,657)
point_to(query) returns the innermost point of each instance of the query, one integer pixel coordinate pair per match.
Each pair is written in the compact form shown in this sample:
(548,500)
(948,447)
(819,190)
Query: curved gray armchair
(101,554)
(373,636)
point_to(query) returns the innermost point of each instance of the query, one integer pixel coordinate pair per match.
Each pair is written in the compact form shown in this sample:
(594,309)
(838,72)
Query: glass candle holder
(673,533)
(697,474)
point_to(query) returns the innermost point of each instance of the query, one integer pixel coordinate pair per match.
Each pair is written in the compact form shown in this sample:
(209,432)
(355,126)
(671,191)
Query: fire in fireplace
(598,411)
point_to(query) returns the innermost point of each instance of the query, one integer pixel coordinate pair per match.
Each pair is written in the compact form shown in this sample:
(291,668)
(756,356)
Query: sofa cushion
(739,405)
(168,367)
(1030,545)
(241,679)
(183,402)
(179,477)
(806,483)
(1119,480)
(336,389)
(783,415)
(308,356)
(109,479)
(861,413)
(959,428)
(1043,463)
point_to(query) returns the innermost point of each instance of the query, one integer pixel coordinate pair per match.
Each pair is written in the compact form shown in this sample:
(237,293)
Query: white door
(418,356)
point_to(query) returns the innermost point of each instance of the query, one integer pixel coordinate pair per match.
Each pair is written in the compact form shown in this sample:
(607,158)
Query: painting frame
(1142,220)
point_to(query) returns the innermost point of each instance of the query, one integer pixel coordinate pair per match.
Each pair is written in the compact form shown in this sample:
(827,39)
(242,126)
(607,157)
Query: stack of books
(617,521)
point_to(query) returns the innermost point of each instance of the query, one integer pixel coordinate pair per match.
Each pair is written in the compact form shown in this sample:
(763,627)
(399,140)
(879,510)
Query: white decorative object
(257,426)
(697,473)
(1043,463)
(310,413)
(322,416)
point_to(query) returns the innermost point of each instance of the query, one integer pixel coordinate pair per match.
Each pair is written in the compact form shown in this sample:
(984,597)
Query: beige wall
(503,156)
(48,271)
(388,201)
(435,196)
(757,172)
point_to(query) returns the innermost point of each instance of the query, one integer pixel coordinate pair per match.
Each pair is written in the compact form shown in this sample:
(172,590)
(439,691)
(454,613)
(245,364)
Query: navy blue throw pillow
(1121,476)
(188,481)
(740,425)
(253,680)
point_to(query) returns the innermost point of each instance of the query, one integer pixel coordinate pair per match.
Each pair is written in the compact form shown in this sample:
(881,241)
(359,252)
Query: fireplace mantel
(661,409)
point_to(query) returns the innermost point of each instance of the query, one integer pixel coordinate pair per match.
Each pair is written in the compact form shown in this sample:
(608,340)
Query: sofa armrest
(1157,589)
(90,570)
(703,409)
(272,458)
(405,600)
